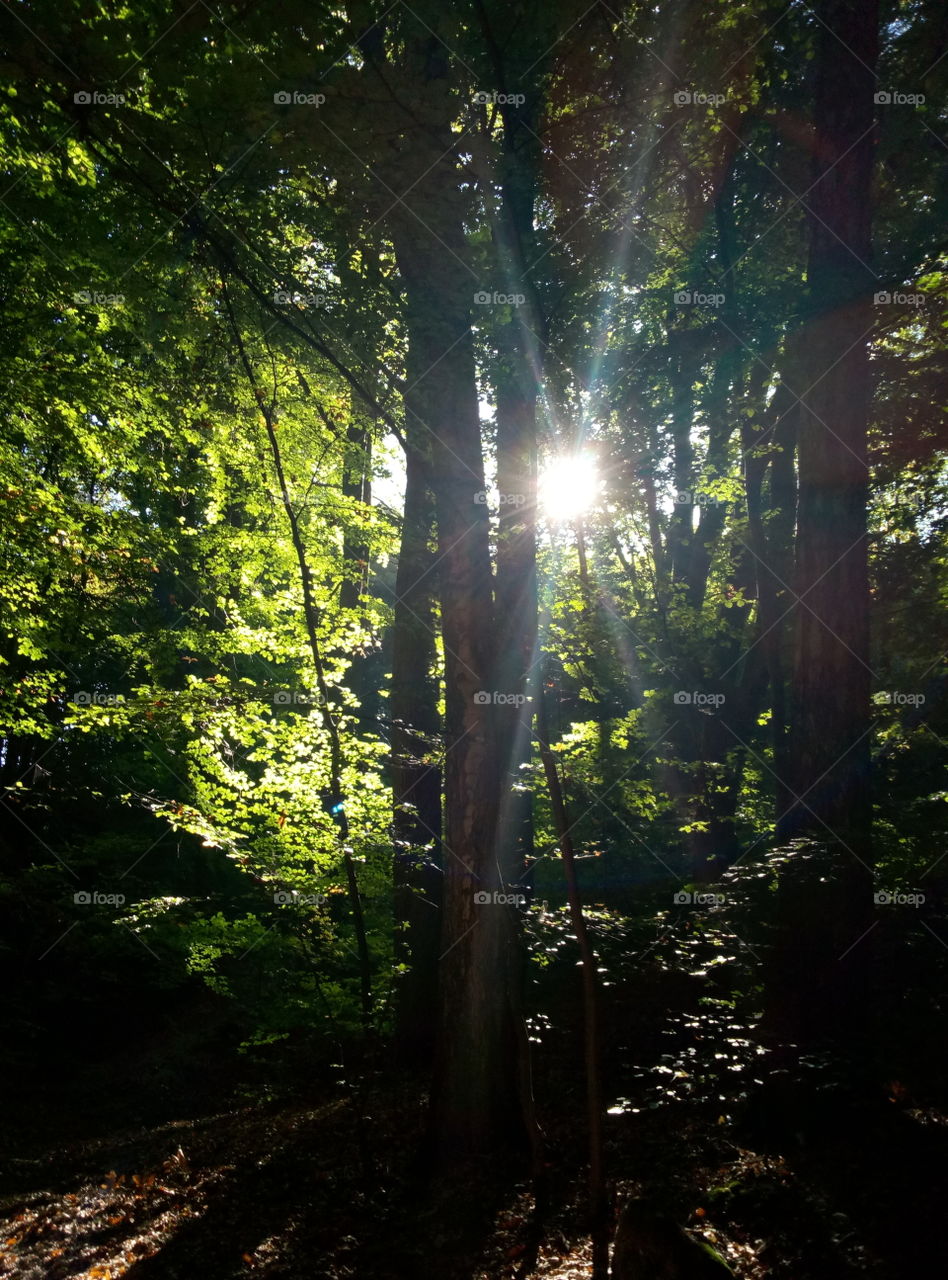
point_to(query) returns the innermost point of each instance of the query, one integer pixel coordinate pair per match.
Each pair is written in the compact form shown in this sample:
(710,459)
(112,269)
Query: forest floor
(789,1169)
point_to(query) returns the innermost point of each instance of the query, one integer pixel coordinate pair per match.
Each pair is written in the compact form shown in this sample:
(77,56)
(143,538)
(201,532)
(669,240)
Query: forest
(474,639)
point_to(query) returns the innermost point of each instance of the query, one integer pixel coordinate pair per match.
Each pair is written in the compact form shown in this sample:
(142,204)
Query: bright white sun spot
(568,487)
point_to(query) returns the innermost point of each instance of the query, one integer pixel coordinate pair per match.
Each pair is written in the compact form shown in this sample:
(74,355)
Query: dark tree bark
(818,984)
(516,593)
(830,709)
(476,1098)
(517,381)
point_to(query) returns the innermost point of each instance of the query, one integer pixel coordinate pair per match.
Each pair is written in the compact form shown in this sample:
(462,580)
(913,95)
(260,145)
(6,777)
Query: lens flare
(568,487)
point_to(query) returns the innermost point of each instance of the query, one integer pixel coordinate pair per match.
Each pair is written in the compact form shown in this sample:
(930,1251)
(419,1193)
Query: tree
(831,678)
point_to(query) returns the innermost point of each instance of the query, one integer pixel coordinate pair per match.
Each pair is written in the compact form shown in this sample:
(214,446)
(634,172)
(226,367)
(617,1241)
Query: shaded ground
(787,1164)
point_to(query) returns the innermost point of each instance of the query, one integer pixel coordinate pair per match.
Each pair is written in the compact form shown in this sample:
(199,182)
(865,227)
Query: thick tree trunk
(423,202)
(516,603)
(830,712)
(518,378)
(476,1101)
(819,979)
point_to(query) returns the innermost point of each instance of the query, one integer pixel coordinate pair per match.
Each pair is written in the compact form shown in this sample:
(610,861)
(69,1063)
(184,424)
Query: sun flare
(568,487)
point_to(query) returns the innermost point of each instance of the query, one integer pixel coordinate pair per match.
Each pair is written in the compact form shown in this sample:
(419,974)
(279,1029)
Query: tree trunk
(474,1099)
(830,712)
(357,486)
(592,1048)
(476,1105)
(416,778)
(518,378)
(770,540)
(828,907)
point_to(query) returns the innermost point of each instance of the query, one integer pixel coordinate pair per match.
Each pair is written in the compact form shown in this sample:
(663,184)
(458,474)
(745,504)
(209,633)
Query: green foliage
(200,259)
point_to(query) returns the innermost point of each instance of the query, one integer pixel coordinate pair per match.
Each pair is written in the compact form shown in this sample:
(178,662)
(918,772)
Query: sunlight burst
(568,487)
